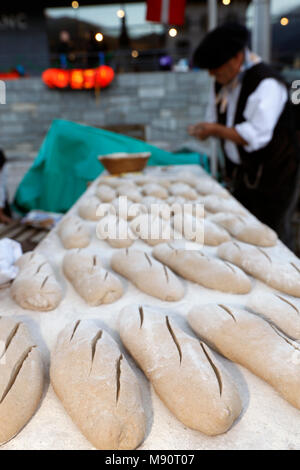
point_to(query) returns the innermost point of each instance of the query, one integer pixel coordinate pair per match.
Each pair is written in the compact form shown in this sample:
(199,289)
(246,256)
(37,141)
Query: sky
(282,6)
(106,15)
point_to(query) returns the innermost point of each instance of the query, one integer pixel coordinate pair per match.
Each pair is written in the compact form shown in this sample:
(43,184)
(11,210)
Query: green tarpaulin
(67,160)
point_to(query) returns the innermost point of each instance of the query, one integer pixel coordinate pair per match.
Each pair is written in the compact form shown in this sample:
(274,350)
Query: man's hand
(203,130)
(4,219)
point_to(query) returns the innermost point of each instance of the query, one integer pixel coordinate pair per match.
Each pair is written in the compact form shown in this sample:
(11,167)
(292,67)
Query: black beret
(221,45)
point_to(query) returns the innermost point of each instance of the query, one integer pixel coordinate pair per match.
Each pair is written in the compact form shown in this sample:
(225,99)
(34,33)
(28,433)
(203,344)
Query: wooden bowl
(117,163)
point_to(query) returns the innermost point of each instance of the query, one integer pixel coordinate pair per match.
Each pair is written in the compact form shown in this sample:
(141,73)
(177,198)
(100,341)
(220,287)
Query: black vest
(273,167)
(2,159)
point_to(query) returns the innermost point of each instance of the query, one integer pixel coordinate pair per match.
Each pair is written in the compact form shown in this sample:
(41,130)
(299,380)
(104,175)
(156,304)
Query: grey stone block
(151,92)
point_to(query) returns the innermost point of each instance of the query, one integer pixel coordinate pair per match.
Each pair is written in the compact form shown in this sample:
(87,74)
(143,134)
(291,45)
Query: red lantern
(89,78)
(79,79)
(56,78)
(104,76)
(76,79)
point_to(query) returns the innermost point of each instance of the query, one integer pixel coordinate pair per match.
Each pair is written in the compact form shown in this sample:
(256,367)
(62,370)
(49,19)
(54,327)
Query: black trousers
(273,208)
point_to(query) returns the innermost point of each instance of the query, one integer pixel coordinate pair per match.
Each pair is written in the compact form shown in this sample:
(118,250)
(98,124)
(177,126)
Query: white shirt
(262,112)
(3,176)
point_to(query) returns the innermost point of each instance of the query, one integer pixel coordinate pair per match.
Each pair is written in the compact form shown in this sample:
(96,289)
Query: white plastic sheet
(10,251)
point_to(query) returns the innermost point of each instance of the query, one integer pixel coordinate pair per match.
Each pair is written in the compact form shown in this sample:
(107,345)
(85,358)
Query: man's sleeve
(211,114)
(263,110)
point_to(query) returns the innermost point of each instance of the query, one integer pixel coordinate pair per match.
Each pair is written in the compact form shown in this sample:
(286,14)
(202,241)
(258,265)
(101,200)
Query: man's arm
(204,130)
(262,112)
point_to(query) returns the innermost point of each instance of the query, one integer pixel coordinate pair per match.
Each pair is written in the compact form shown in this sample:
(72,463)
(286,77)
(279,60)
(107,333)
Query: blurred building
(30,35)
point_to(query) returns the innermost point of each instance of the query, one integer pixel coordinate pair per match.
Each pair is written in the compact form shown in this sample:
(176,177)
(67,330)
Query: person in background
(65,49)
(5,215)
(249,111)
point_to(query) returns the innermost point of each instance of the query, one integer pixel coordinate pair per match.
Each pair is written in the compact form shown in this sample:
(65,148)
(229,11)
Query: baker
(249,111)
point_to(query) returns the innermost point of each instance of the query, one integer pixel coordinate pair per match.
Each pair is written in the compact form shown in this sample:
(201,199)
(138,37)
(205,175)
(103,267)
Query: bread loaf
(93,283)
(216,204)
(21,378)
(202,231)
(147,274)
(183,190)
(283,276)
(204,270)
(283,312)
(97,387)
(88,208)
(126,209)
(74,233)
(115,231)
(105,193)
(35,287)
(248,340)
(246,229)
(152,229)
(130,191)
(183,371)
(155,190)
(207,186)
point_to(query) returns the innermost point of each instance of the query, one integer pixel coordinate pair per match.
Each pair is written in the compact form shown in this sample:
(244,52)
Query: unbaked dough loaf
(105,193)
(140,179)
(35,287)
(207,186)
(283,312)
(183,190)
(246,229)
(88,208)
(74,233)
(132,192)
(126,209)
(185,177)
(179,205)
(93,283)
(216,204)
(252,342)
(147,274)
(183,371)
(199,230)
(283,276)
(21,378)
(155,190)
(152,229)
(112,181)
(204,270)
(115,231)
(96,386)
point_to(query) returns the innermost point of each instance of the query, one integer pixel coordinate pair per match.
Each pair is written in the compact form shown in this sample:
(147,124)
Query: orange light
(56,78)
(284,21)
(79,79)
(89,76)
(76,79)
(99,37)
(104,76)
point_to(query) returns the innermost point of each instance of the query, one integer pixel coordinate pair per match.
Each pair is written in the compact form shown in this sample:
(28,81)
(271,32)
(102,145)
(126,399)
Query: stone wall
(165,102)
